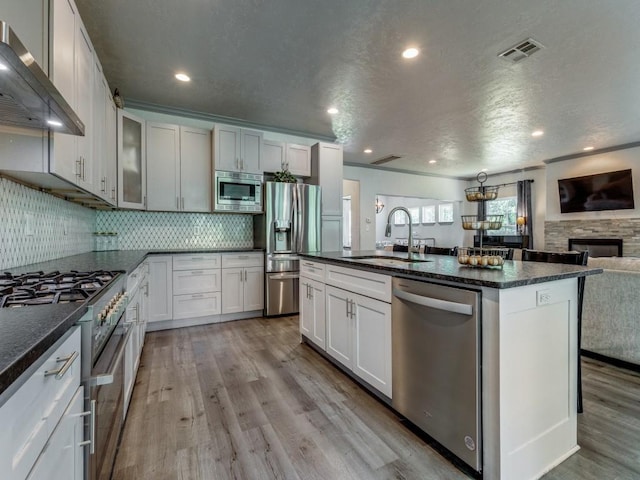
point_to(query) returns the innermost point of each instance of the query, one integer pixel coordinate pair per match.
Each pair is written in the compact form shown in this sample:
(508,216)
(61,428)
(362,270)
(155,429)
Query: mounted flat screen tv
(602,191)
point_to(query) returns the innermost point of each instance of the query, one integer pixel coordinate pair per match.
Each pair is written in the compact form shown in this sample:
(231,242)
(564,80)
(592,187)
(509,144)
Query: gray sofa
(611,309)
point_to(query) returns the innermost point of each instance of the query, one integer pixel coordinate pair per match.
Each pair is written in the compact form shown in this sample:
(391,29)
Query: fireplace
(598,247)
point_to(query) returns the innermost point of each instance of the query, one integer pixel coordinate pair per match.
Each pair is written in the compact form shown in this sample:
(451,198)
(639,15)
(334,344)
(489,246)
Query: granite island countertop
(443,267)
(26,333)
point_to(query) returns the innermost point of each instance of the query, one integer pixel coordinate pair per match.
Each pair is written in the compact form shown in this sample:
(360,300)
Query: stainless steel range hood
(27,97)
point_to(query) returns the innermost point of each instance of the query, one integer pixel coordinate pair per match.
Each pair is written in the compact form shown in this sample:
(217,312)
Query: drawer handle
(197,272)
(243,257)
(197,295)
(197,258)
(68,361)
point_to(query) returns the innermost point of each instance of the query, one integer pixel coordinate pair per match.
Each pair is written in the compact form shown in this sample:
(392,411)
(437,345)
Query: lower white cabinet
(63,456)
(196,305)
(242,282)
(312,311)
(196,285)
(160,287)
(37,426)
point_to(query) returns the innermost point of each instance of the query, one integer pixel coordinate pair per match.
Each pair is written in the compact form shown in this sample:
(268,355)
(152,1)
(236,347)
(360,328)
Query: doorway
(351,214)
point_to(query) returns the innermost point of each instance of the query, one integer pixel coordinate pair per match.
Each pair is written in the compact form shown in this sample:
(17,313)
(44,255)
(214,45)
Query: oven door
(107,402)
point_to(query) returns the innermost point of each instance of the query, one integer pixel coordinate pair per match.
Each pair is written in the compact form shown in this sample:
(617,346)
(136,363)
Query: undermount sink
(387,260)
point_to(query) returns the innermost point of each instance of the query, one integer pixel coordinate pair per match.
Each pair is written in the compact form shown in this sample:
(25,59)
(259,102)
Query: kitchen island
(527,346)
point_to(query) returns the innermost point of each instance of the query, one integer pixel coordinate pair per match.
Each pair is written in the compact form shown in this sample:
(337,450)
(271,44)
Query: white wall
(600,163)
(375,182)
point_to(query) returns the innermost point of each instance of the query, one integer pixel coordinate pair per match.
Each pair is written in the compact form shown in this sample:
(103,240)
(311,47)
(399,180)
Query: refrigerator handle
(295,217)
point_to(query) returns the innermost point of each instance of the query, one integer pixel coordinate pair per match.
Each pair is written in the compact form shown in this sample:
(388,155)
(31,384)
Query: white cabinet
(137,288)
(312,311)
(286,156)
(132,177)
(237,149)
(36,423)
(110,155)
(160,288)
(84,107)
(104,137)
(196,285)
(242,282)
(178,168)
(326,171)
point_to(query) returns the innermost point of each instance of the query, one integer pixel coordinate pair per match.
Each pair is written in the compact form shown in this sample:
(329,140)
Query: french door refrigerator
(290,225)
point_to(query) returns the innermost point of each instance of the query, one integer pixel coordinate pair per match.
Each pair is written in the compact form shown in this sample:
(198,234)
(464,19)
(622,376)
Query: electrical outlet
(543,297)
(28,224)
(197,230)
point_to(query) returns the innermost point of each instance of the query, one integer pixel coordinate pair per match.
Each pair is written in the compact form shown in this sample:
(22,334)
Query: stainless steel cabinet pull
(197,258)
(113,193)
(347,305)
(197,272)
(79,167)
(103,182)
(84,177)
(353,309)
(246,275)
(68,361)
(92,427)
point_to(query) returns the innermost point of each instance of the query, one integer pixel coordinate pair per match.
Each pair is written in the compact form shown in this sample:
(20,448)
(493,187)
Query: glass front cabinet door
(132,187)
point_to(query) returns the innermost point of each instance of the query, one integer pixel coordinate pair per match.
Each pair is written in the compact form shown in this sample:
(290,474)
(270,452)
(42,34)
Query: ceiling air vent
(522,50)
(387,159)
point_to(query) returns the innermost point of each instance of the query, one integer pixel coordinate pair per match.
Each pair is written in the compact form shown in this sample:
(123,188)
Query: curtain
(524,208)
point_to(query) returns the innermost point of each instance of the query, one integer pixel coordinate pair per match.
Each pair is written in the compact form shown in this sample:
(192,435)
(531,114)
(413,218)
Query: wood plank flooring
(245,400)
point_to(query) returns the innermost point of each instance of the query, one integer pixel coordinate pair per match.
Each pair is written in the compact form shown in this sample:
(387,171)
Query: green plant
(284,176)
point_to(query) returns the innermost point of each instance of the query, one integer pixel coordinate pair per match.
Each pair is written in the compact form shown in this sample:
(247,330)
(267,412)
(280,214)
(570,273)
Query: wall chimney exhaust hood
(28,98)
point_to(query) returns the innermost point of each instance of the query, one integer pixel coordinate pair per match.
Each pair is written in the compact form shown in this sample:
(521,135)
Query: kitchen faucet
(387,231)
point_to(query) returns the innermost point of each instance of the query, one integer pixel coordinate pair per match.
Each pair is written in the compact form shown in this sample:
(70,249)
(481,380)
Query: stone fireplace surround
(558,233)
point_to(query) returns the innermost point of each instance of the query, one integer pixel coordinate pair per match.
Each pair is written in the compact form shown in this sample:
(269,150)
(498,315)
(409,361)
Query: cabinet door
(99,147)
(251,151)
(63,151)
(163,167)
(226,148)
(160,288)
(331,233)
(318,334)
(339,341)
(187,282)
(195,169)
(326,161)
(253,289)
(110,151)
(132,175)
(84,103)
(272,156)
(62,457)
(306,308)
(232,294)
(298,159)
(372,342)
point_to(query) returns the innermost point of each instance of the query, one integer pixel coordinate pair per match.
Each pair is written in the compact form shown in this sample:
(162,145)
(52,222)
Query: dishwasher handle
(436,303)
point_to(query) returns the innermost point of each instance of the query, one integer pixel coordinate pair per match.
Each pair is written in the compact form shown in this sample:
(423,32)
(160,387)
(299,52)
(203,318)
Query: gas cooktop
(40,288)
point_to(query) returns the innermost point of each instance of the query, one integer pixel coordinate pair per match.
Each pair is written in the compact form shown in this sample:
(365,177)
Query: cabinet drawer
(232,260)
(30,415)
(196,261)
(312,270)
(196,281)
(370,284)
(196,305)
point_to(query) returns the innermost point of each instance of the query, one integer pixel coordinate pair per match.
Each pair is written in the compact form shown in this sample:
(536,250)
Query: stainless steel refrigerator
(290,225)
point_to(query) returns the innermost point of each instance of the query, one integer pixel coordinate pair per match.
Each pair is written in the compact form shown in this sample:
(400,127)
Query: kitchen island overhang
(529,353)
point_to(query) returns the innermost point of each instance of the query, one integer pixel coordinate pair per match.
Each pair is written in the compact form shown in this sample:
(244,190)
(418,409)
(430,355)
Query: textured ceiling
(282,63)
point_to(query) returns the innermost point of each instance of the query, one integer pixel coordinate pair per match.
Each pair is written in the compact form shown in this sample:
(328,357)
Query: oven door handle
(107,378)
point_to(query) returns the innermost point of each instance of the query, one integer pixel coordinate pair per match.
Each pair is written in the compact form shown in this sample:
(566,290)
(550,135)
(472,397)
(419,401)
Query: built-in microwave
(238,192)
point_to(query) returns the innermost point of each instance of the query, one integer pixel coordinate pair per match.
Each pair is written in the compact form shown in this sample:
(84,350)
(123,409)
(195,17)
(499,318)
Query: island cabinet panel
(530,354)
(339,326)
(312,311)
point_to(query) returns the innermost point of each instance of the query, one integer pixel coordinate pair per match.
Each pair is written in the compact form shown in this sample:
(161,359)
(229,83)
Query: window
(399,218)
(429,214)
(445,213)
(506,206)
(415,215)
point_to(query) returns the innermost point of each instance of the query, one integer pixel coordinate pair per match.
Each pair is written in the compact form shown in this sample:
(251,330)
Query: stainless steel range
(104,337)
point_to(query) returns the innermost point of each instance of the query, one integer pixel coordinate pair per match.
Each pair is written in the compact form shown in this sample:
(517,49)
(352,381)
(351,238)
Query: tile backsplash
(160,230)
(36,226)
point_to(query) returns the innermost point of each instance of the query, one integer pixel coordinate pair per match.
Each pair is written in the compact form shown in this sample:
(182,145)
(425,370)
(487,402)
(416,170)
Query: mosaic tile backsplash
(36,226)
(160,230)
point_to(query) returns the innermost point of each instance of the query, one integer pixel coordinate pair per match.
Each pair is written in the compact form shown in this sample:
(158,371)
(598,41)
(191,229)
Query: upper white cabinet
(104,137)
(110,158)
(237,149)
(178,168)
(278,156)
(132,179)
(326,171)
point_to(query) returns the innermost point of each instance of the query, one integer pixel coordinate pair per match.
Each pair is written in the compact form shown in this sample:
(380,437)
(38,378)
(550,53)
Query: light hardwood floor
(245,400)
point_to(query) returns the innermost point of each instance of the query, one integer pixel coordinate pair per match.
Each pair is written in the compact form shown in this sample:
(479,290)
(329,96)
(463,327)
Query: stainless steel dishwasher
(436,363)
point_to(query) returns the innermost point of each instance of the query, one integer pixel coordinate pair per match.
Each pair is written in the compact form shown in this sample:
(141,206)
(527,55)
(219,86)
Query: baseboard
(206,320)
(616,362)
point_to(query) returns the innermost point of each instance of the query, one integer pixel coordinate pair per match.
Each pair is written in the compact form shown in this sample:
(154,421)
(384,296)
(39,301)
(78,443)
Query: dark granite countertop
(26,333)
(441,267)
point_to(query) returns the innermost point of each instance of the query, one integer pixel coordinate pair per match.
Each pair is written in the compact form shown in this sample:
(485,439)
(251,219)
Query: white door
(232,291)
(251,151)
(227,148)
(372,342)
(163,167)
(195,169)
(306,308)
(160,288)
(339,341)
(253,289)
(298,159)
(273,156)
(84,96)
(110,153)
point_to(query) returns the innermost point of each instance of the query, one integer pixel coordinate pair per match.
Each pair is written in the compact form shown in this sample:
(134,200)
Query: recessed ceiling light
(411,52)
(54,123)
(183,77)
(368,150)
(432,161)
(3,67)
(587,149)
(332,111)
(537,133)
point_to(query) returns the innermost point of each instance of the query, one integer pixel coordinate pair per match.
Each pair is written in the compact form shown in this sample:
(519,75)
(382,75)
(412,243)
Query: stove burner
(39,288)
